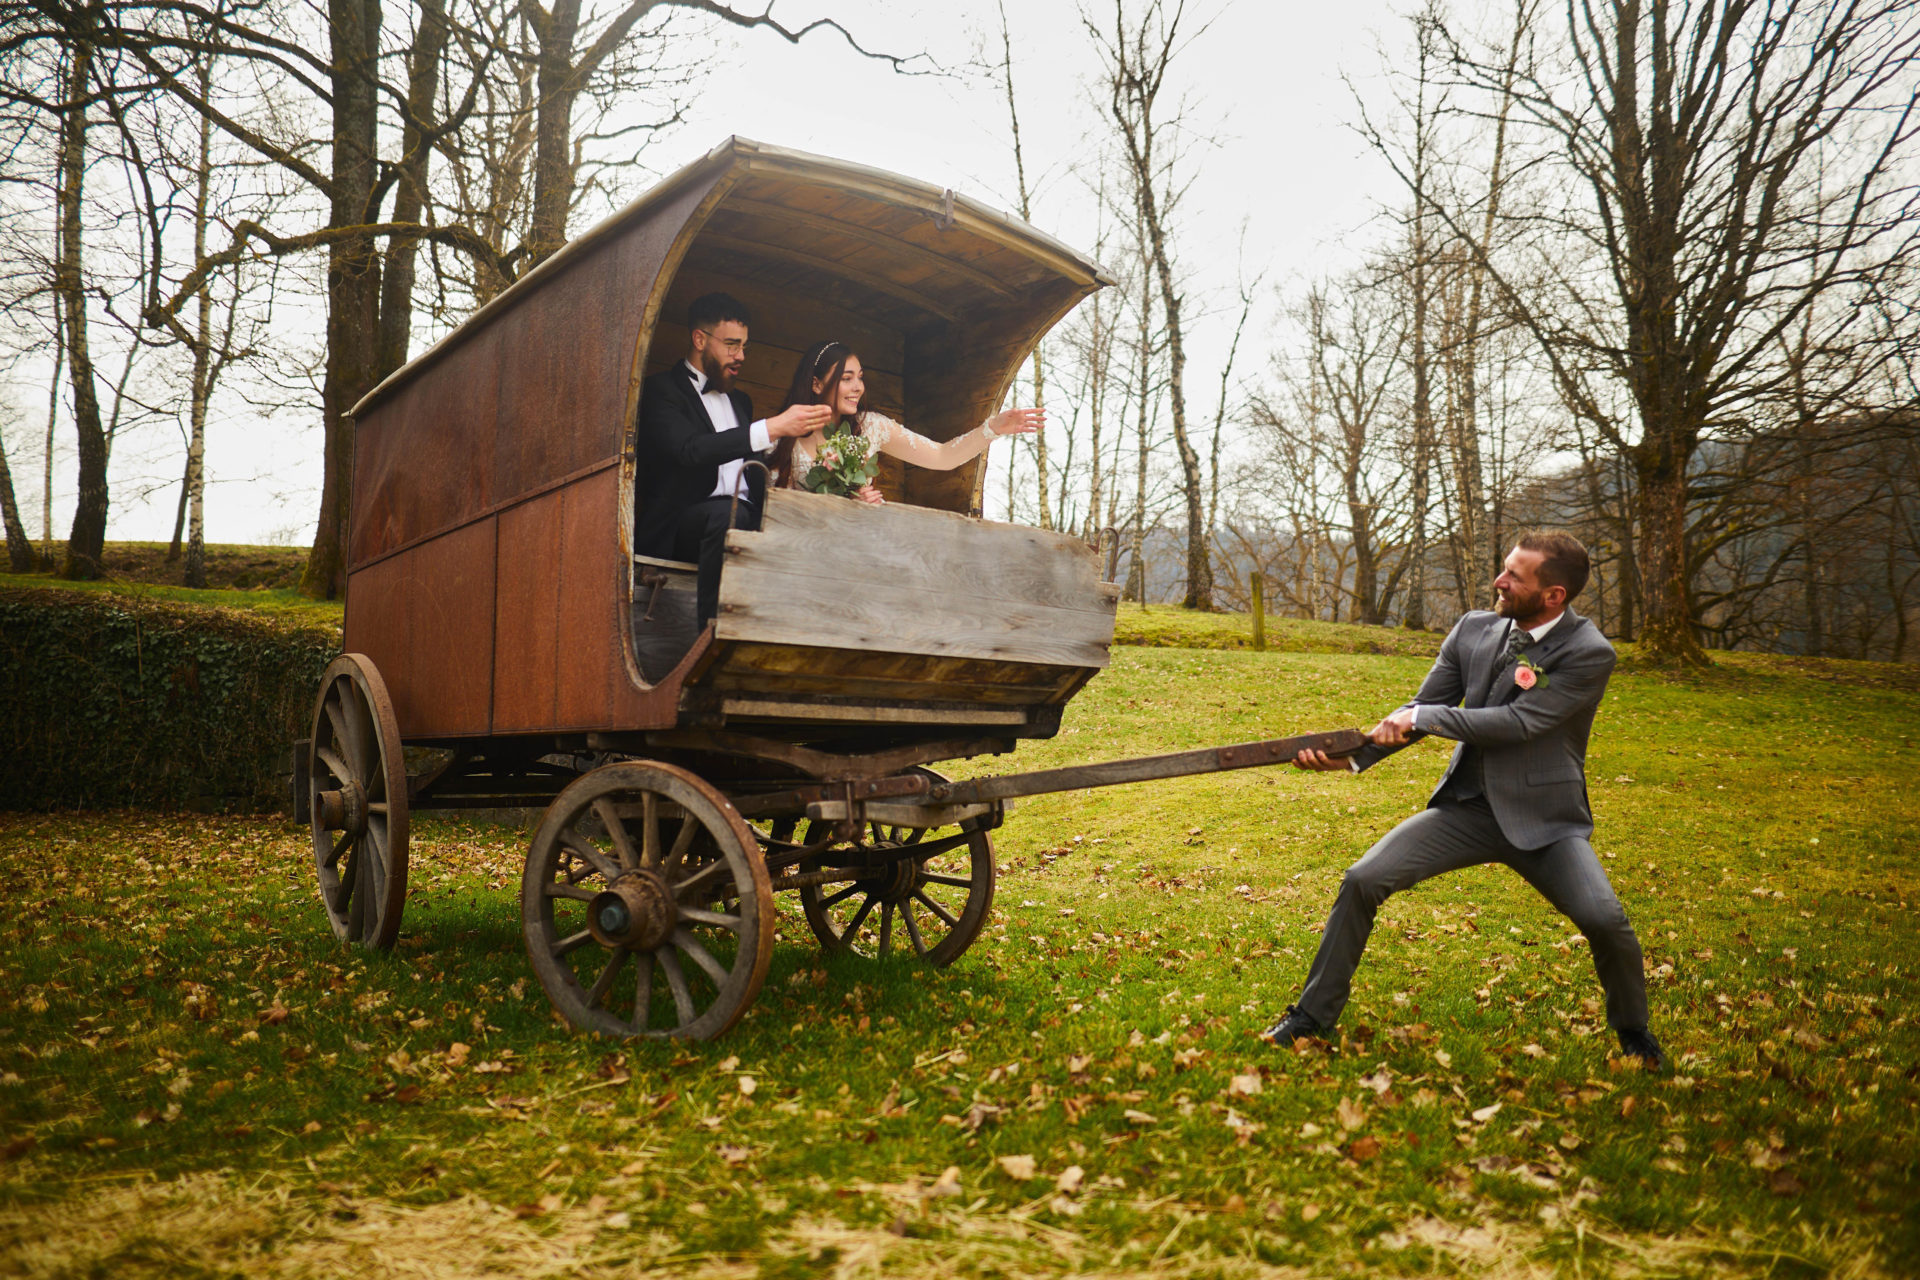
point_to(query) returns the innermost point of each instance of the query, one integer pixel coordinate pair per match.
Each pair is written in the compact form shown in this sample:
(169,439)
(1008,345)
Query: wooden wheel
(939,900)
(357,804)
(646,906)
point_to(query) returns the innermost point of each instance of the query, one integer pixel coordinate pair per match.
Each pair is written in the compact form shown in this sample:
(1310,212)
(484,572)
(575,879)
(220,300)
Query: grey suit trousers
(1455,834)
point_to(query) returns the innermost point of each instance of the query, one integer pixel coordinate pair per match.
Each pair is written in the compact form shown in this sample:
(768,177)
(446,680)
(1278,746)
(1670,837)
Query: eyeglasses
(732,346)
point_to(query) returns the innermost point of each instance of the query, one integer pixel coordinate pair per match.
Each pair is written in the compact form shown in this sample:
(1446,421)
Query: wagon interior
(851,626)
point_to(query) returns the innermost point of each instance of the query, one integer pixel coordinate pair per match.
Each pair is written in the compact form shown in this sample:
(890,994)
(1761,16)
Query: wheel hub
(894,880)
(636,911)
(344,810)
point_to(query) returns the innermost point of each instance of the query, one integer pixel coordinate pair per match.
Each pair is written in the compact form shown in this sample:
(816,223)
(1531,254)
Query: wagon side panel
(425,617)
(417,470)
(557,653)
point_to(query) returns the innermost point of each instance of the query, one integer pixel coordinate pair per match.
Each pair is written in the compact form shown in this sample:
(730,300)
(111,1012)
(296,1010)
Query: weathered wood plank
(785,659)
(876,713)
(781,607)
(884,549)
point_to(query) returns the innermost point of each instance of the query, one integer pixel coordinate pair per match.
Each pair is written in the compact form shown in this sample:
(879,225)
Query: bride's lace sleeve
(890,437)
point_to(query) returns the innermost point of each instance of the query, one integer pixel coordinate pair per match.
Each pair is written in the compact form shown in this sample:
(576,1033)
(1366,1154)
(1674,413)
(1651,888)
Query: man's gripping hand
(1320,762)
(1395,730)
(798,420)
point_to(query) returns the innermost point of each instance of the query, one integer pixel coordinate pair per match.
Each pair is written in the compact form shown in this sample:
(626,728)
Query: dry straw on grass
(201,1226)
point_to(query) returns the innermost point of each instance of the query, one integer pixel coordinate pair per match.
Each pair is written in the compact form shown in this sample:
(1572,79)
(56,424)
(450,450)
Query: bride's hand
(868,494)
(1017,422)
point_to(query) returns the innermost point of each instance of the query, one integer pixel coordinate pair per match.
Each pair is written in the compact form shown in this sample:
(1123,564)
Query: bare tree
(1740,162)
(1330,437)
(1137,53)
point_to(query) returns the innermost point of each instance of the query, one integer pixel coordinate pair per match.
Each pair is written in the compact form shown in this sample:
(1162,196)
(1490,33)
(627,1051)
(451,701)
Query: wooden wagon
(506,647)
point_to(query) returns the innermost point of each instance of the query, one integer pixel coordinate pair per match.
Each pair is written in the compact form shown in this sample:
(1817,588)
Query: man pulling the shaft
(1517,689)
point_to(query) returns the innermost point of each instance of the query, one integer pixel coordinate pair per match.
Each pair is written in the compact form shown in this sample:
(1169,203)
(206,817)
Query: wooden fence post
(1259,610)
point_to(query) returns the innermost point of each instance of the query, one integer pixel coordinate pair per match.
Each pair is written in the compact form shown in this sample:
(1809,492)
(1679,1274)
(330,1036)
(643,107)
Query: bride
(830,374)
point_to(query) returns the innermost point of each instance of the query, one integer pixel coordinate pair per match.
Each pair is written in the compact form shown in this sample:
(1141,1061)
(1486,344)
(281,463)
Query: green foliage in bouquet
(843,464)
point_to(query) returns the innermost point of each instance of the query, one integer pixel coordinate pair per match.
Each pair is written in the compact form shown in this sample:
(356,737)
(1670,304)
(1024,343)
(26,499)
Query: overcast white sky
(1265,80)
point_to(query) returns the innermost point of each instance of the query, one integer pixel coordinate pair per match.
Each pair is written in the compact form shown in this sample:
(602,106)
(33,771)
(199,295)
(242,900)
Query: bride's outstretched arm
(910,446)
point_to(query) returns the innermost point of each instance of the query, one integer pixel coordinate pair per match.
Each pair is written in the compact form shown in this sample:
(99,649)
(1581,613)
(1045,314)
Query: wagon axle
(344,810)
(636,911)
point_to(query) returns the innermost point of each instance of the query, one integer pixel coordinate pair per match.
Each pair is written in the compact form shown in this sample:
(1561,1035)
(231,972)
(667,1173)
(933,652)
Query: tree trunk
(19,550)
(1667,630)
(553,160)
(353,283)
(87,540)
(396,284)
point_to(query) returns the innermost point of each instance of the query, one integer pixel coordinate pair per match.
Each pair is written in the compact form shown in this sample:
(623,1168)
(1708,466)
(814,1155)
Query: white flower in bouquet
(842,465)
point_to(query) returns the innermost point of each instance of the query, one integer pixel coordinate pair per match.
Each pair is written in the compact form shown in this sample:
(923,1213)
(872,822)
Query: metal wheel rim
(837,913)
(362,877)
(697,984)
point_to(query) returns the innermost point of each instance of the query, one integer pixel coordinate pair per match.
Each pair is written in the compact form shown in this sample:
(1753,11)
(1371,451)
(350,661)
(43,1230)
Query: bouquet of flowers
(843,464)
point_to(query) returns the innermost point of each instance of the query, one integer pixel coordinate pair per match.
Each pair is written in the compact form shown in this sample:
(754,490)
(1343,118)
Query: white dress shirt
(719,406)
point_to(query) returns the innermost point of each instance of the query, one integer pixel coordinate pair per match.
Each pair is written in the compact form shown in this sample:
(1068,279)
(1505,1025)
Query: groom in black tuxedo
(695,435)
(1517,689)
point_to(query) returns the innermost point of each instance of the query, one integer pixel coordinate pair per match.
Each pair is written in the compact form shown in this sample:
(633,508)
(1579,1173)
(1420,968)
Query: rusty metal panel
(558,664)
(421,460)
(425,617)
(566,355)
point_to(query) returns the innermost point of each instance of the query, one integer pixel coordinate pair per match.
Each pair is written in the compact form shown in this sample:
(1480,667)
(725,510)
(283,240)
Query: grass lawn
(194,1080)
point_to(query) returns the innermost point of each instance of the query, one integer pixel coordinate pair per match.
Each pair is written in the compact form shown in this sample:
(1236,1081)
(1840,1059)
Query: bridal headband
(820,361)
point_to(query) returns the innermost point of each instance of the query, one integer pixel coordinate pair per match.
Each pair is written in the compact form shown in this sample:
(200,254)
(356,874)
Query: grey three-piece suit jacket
(1533,742)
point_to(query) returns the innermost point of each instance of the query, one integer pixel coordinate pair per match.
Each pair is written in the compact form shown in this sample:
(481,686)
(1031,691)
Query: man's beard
(719,377)
(1518,606)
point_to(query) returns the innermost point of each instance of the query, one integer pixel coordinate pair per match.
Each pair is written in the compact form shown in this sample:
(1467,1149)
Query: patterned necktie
(1518,640)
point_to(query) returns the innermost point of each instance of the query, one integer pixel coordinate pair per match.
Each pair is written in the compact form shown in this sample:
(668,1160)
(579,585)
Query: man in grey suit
(1516,689)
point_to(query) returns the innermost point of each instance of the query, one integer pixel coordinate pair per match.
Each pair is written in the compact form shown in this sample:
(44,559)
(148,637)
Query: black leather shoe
(1641,1044)
(1293,1025)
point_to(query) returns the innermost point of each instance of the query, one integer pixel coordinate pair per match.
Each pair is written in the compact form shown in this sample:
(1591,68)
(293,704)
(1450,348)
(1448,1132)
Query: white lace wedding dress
(889,437)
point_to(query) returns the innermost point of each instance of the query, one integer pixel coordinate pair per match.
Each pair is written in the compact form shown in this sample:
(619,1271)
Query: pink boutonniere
(1527,676)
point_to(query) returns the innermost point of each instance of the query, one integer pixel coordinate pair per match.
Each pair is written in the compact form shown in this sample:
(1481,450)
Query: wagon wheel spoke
(579,844)
(337,718)
(572,891)
(570,944)
(700,915)
(859,917)
(886,927)
(332,859)
(677,984)
(362,740)
(650,830)
(934,877)
(699,880)
(913,929)
(643,991)
(670,865)
(607,975)
(356,902)
(946,917)
(335,765)
(700,956)
(843,895)
(617,831)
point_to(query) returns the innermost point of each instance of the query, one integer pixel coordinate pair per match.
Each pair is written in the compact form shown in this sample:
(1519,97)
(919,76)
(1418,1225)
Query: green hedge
(107,701)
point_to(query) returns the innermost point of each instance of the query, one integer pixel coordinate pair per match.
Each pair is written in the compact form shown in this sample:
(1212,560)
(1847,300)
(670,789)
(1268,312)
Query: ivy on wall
(111,702)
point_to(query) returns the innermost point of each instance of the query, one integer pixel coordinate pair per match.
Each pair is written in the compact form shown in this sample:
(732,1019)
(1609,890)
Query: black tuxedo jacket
(677,455)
